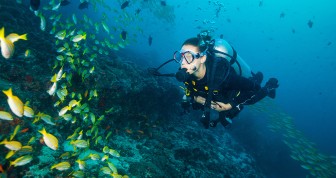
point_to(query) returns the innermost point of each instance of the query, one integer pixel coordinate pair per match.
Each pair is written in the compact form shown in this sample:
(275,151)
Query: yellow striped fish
(78,174)
(79,37)
(7,47)
(105,157)
(14,103)
(23,160)
(5,116)
(106,170)
(10,154)
(50,140)
(64,110)
(81,164)
(61,166)
(26,149)
(79,143)
(112,167)
(106,149)
(52,90)
(31,140)
(114,153)
(13,37)
(27,53)
(28,112)
(12,145)
(17,128)
(94,156)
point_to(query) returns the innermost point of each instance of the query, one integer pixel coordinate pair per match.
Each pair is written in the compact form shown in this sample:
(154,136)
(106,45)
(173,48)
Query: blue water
(272,37)
(302,58)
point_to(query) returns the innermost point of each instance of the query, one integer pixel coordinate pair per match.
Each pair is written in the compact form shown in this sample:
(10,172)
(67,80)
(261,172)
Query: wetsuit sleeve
(253,97)
(257,97)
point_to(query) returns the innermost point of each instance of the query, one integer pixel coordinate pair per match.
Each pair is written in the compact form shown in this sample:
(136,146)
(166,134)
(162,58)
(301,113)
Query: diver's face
(194,62)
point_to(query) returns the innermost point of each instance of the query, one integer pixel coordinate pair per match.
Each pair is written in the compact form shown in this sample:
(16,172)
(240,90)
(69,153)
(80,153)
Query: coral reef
(183,149)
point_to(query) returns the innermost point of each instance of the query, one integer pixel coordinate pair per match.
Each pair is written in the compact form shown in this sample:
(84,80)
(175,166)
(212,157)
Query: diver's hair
(195,42)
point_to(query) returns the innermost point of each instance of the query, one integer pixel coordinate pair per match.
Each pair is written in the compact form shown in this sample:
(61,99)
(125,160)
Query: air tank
(223,46)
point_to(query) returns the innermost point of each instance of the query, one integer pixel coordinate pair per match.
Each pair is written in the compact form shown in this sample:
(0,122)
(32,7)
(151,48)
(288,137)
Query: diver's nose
(184,67)
(183,63)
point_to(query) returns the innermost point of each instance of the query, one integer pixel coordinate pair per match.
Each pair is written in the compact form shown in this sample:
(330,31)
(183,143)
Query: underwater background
(111,118)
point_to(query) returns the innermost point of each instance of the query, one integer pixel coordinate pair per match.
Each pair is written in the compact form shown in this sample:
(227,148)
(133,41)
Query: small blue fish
(123,35)
(137,11)
(261,3)
(310,24)
(65,2)
(83,5)
(124,5)
(150,40)
(163,3)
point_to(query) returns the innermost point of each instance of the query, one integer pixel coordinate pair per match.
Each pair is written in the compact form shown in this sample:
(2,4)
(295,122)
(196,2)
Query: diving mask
(188,56)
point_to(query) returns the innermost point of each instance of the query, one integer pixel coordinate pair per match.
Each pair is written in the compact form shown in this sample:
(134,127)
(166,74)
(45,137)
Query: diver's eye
(188,57)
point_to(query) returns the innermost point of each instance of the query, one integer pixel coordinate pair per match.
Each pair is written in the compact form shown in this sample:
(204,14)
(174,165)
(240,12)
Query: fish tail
(23,37)
(2,33)
(43,131)
(11,163)
(3,142)
(84,36)
(8,92)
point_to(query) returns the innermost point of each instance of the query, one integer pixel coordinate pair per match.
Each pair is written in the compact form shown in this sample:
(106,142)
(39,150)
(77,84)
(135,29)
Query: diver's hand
(270,87)
(199,99)
(219,106)
(272,84)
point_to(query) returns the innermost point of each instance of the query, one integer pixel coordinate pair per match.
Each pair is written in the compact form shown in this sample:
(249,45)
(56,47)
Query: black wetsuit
(229,87)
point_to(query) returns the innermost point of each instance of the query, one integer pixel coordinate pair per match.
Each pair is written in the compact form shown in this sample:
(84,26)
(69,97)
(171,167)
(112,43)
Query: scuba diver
(216,78)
